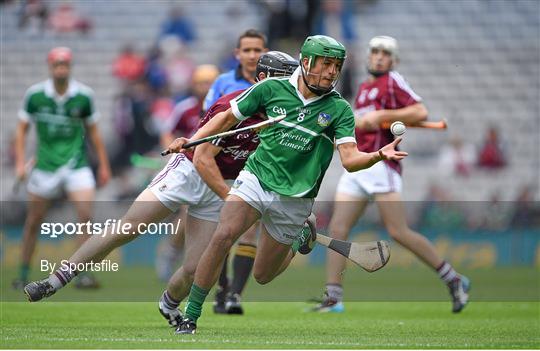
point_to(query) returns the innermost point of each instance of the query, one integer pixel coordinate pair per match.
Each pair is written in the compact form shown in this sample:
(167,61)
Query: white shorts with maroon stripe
(179,183)
(378,179)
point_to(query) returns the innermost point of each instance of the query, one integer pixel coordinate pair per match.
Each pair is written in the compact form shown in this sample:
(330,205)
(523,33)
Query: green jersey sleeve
(90,114)
(344,128)
(28,107)
(251,100)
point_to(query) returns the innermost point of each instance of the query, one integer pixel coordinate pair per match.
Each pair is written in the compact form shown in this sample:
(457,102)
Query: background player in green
(62,111)
(282,177)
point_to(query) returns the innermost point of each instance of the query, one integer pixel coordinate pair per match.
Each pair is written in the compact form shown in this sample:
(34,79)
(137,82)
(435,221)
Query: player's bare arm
(205,163)
(20,148)
(409,115)
(354,160)
(104,169)
(221,122)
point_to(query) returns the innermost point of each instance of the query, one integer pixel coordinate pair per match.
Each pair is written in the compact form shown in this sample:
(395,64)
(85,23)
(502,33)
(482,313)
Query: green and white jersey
(294,154)
(59,122)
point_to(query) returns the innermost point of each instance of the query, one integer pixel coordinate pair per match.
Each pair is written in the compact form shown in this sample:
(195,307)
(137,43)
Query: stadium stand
(474,62)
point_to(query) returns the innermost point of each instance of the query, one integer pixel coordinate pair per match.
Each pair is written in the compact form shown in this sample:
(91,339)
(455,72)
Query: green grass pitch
(272,325)
(504,313)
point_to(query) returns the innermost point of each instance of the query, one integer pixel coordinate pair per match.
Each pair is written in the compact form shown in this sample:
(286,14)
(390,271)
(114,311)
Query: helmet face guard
(326,48)
(316,87)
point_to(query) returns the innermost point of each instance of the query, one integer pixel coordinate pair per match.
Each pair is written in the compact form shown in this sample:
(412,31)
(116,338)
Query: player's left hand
(369,121)
(104,175)
(389,152)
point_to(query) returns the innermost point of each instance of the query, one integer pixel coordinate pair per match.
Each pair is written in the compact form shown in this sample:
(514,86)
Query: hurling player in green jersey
(62,112)
(282,177)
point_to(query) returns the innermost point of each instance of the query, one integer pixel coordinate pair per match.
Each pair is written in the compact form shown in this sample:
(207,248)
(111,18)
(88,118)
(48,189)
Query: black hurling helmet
(276,64)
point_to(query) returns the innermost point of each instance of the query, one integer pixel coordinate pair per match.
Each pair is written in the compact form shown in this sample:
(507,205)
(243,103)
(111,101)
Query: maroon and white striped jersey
(185,117)
(387,92)
(235,148)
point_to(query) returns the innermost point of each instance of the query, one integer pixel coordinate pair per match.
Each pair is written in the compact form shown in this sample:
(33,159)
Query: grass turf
(274,325)
(297,284)
(395,308)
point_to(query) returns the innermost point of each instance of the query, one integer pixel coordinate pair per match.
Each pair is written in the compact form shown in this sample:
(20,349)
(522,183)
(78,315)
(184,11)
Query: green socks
(195,301)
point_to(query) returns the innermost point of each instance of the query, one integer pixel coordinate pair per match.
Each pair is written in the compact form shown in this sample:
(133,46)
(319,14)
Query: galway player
(178,183)
(384,97)
(62,111)
(282,177)
(249,48)
(183,121)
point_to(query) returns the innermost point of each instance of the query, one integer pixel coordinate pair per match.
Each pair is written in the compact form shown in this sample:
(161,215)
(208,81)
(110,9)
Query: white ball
(397,128)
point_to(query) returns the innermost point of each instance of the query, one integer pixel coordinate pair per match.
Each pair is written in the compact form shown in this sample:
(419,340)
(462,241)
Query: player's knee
(262,275)
(224,238)
(262,278)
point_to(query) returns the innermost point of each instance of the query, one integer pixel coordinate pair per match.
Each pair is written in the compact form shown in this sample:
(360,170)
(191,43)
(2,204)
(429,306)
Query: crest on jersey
(324,119)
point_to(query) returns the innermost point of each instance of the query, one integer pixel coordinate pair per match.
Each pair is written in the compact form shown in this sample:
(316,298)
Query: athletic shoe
(36,291)
(308,236)
(86,281)
(459,290)
(173,317)
(232,305)
(219,301)
(187,326)
(18,284)
(329,305)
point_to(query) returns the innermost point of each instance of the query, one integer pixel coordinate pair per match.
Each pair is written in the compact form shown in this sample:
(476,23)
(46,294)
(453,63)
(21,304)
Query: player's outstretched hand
(389,152)
(176,146)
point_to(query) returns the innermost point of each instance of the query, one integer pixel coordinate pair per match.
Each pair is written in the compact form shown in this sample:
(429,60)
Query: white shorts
(179,183)
(49,185)
(378,179)
(282,216)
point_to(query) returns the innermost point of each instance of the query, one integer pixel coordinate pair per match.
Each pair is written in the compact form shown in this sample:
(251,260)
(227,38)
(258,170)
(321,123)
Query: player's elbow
(421,112)
(349,166)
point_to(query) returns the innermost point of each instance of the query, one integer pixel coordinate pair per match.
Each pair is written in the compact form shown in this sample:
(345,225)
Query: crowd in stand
(152,83)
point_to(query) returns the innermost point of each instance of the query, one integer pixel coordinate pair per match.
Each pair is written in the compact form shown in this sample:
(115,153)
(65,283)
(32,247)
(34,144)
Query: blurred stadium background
(474,62)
